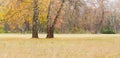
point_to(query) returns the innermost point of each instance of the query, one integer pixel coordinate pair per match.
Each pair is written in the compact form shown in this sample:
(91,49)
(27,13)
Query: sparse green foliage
(107,31)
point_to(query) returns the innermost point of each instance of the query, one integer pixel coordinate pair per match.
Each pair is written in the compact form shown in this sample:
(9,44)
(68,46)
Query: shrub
(107,31)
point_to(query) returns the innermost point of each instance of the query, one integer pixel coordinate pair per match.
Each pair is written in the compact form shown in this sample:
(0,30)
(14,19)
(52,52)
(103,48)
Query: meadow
(62,46)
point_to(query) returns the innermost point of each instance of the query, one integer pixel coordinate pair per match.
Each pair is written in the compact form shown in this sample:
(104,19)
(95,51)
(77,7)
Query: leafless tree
(35,20)
(51,25)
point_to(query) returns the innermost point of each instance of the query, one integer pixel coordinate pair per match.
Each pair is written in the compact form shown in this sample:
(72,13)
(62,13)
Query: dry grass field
(62,46)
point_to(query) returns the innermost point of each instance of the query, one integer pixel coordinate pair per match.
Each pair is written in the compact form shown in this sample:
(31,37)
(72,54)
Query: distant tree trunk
(99,25)
(51,27)
(6,27)
(101,17)
(35,20)
(25,27)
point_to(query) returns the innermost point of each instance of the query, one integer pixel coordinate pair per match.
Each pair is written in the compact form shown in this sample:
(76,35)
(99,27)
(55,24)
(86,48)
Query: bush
(107,31)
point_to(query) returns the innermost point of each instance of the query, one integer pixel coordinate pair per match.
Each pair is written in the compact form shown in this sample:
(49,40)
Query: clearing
(62,46)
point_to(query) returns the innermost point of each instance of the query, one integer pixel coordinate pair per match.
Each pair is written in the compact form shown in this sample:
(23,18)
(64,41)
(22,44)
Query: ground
(62,46)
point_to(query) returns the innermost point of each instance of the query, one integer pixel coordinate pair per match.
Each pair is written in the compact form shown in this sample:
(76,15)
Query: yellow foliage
(17,11)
